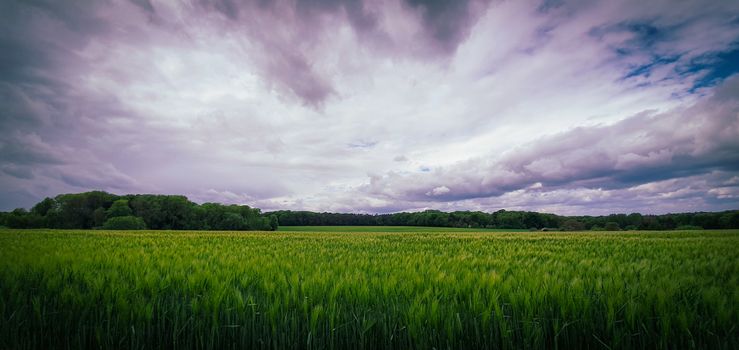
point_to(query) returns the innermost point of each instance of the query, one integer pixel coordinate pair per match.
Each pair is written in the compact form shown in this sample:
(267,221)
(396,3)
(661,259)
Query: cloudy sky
(570,107)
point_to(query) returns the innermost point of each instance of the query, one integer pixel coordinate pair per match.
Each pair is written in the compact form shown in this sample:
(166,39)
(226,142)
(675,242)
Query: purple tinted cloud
(374,106)
(640,149)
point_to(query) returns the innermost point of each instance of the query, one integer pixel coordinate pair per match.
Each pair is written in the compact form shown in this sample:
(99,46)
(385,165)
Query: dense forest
(504,219)
(99,209)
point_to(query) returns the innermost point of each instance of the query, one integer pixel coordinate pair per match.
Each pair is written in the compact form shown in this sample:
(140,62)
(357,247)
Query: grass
(389,229)
(331,290)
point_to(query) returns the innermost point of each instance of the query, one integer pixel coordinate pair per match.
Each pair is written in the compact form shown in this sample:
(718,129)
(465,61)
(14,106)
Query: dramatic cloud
(374,106)
(641,149)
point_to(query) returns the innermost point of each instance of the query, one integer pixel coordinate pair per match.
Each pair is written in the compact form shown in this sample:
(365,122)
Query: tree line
(99,209)
(504,219)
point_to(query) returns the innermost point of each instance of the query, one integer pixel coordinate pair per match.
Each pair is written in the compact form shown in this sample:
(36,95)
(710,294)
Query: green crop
(147,289)
(387,229)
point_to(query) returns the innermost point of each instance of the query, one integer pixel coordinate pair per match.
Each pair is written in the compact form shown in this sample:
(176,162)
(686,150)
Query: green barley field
(347,229)
(394,290)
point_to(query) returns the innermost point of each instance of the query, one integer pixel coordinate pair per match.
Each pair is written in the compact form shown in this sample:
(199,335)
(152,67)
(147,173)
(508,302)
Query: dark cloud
(293,72)
(38,45)
(12,199)
(40,35)
(145,5)
(359,19)
(448,22)
(102,175)
(47,120)
(228,8)
(21,172)
(27,149)
(19,109)
(289,35)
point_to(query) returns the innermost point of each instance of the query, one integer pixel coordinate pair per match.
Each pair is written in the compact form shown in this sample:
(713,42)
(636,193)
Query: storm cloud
(374,106)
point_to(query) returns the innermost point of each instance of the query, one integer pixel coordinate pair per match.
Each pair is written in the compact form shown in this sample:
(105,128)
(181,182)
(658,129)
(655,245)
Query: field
(147,289)
(389,229)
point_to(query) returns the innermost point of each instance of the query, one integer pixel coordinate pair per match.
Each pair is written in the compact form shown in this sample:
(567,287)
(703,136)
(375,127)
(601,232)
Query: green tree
(124,223)
(634,219)
(729,220)
(273,222)
(18,218)
(119,208)
(232,221)
(98,217)
(43,207)
(612,226)
(75,210)
(148,207)
(177,212)
(573,225)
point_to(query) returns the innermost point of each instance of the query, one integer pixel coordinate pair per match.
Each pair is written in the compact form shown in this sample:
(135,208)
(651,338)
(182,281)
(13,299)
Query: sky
(568,107)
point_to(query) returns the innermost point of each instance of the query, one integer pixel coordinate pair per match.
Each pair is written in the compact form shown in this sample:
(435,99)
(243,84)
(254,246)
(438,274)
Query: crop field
(333,290)
(389,229)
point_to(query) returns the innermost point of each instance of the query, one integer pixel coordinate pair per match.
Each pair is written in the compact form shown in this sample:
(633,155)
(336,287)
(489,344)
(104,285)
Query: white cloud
(438,191)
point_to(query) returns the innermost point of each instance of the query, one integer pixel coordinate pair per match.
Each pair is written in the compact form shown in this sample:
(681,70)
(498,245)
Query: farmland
(191,289)
(388,229)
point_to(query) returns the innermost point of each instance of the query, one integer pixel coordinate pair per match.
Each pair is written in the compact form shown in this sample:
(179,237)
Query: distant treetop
(96,209)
